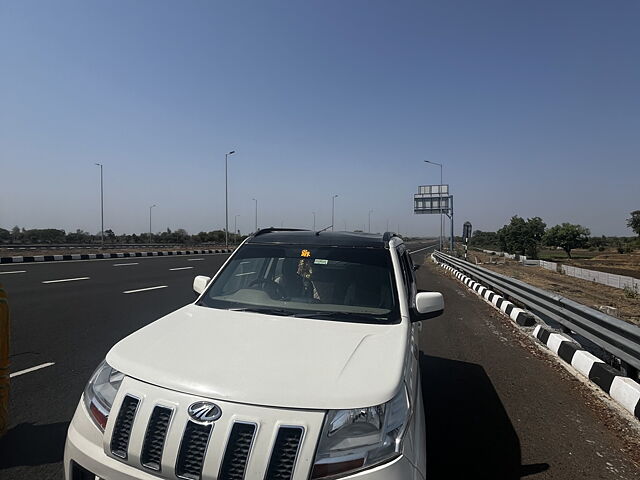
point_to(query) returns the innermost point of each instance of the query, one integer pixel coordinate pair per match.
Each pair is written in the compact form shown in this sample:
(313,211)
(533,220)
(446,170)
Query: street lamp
(314,221)
(370,212)
(226,200)
(255,200)
(235,226)
(333,209)
(150,221)
(101,207)
(439,195)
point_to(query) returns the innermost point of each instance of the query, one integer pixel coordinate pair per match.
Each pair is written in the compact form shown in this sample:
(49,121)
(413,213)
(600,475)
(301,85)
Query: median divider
(102,256)
(618,386)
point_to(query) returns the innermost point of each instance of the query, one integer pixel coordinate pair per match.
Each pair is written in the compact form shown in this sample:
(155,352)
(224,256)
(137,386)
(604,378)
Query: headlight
(361,438)
(100,393)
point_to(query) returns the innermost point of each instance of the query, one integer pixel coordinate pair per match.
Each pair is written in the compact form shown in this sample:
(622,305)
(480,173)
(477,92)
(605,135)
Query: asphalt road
(495,407)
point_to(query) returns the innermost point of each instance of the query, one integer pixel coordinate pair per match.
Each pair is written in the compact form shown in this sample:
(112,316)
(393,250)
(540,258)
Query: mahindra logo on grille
(205,412)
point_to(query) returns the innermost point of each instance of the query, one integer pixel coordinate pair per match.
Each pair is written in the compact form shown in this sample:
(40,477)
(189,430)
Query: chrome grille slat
(155,437)
(192,450)
(237,452)
(284,454)
(122,428)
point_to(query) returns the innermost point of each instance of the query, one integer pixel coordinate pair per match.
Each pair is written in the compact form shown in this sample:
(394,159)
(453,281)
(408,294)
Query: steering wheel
(273,288)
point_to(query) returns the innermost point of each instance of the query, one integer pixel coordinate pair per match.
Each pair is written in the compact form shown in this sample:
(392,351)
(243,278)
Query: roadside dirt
(588,293)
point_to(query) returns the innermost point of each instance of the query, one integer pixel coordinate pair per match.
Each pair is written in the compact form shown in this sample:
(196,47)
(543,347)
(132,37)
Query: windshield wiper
(350,316)
(265,310)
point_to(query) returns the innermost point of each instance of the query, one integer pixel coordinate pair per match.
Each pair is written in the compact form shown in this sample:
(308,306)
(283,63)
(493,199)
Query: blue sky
(533,107)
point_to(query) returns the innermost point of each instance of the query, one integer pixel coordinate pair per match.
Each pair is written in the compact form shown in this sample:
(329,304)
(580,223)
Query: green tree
(522,236)
(5,235)
(567,236)
(633,222)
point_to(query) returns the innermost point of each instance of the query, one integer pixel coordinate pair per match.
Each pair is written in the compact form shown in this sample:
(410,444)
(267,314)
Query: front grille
(248,442)
(192,450)
(154,438)
(122,428)
(237,452)
(285,451)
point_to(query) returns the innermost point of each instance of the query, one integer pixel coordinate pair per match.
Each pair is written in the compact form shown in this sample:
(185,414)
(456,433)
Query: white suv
(299,360)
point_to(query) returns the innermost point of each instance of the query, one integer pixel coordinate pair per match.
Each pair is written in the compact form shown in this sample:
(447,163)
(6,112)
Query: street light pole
(101,207)
(370,212)
(255,200)
(439,195)
(235,226)
(314,221)
(150,221)
(333,210)
(226,200)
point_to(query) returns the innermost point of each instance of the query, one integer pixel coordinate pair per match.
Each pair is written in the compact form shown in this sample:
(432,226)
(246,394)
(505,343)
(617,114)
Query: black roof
(326,238)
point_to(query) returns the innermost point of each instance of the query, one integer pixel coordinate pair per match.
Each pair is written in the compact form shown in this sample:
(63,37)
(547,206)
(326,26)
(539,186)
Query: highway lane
(497,407)
(74,324)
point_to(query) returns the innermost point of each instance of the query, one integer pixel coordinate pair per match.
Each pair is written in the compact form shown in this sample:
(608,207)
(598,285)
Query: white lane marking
(179,268)
(66,280)
(32,369)
(13,271)
(124,264)
(194,259)
(145,289)
(425,248)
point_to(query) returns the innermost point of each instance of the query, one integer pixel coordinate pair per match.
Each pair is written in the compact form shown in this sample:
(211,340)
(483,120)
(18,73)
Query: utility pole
(226,200)
(235,228)
(101,207)
(255,200)
(333,210)
(150,221)
(370,211)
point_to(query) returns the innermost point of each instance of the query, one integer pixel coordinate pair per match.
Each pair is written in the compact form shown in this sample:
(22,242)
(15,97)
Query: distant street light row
(226,206)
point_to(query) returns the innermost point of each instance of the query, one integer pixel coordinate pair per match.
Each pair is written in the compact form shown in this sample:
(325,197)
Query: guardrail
(615,336)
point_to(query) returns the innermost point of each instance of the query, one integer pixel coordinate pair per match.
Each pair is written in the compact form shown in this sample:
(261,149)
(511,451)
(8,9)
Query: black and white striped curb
(518,315)
(622,389)
(98,256)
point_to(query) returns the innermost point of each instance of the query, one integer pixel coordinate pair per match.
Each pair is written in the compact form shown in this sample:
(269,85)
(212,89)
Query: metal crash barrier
(4,361)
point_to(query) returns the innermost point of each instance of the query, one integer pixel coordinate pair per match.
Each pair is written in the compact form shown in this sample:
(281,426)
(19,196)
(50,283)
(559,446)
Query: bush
(620,249)
(601,249)
(630,292)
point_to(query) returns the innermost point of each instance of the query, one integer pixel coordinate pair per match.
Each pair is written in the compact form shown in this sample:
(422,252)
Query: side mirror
(429,305)
(200,283)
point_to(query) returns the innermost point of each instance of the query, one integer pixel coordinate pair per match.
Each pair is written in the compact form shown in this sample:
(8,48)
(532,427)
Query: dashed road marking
(13,271)
(124,264)
(66,280)
(29,370)
(146,289)
(194,259)
(180,268)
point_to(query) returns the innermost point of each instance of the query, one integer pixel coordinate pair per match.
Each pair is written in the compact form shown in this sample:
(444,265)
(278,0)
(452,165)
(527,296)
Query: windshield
(333,283)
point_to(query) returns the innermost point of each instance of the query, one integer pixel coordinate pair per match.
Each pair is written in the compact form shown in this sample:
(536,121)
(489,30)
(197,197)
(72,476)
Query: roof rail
(274,229)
